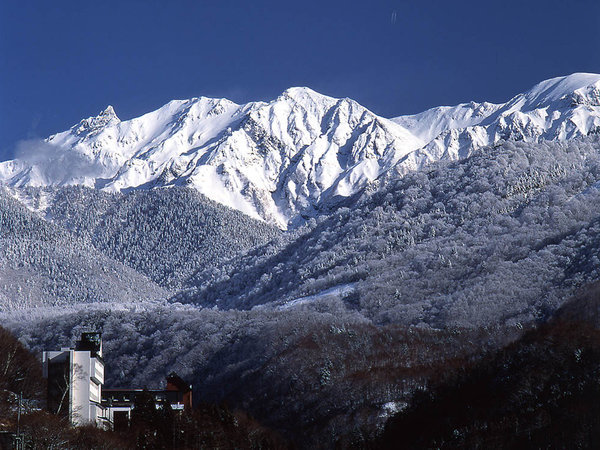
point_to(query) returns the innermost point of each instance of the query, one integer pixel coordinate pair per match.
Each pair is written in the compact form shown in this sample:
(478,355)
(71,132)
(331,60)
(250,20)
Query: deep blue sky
(61,61)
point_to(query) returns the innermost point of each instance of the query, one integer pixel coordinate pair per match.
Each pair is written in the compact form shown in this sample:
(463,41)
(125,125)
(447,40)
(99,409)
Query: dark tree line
(539,392)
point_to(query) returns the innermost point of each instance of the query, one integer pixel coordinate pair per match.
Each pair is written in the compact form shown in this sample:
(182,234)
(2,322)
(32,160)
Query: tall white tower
(75,378)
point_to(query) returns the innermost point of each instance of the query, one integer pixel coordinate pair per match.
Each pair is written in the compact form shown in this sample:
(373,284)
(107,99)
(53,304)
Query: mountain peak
(105,117)
(563,88)
(94,124)
(303,94)
(285,159)
(109,111)
(296,91)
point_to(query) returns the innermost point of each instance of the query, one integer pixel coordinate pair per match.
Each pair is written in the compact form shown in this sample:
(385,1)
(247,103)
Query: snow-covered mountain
(269,160)
(557,109)
(285,159)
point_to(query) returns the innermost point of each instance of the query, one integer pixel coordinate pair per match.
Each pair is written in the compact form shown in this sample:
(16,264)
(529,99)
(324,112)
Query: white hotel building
(75,378)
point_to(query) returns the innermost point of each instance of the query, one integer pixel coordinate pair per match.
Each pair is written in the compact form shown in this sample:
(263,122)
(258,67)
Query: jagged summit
(106,115)
(93,125)
(286,159)
(108,112)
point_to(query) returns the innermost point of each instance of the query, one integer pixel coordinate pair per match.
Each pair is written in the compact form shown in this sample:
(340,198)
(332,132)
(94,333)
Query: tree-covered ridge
(450,245)
(165,234)
(42,264)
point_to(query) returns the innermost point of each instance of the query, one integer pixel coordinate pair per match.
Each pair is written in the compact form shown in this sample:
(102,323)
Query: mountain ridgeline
(291,158)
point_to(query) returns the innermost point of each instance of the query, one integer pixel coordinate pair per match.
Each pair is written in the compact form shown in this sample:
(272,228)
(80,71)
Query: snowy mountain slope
(289,158)
(269,160)
(557,109)
(431,123)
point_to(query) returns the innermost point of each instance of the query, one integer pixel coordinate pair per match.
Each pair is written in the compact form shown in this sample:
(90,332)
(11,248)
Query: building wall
(82,375)
(57,370)
(75,379)
(80,401)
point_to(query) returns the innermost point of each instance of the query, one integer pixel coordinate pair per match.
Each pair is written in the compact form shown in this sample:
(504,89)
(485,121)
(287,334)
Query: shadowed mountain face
(165,234)
(286,160)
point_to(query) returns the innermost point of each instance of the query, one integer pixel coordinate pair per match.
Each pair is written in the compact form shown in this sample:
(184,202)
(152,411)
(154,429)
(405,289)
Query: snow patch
(340,291)
(390,408)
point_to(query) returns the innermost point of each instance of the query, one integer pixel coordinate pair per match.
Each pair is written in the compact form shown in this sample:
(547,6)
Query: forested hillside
(316,375)
(539,392)
(165,234)
(42,264)
(501,236)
